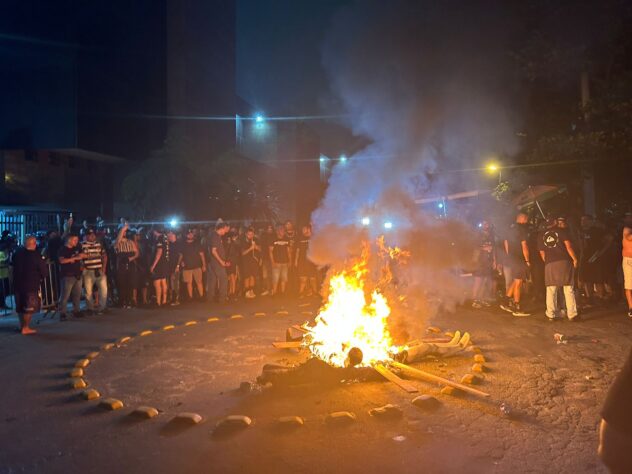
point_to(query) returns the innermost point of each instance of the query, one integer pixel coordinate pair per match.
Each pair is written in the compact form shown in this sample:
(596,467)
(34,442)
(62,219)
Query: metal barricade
(49,288)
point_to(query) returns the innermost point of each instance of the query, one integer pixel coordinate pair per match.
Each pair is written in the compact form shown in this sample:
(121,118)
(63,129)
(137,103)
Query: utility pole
(586,169)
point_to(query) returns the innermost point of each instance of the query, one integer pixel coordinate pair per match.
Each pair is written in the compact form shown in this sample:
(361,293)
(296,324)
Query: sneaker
(518,312)
(575,319)
(476,304)
(630,313)
(265,293)
(549,319)
(485,303)
(509,306)
(175,303)
(250,294)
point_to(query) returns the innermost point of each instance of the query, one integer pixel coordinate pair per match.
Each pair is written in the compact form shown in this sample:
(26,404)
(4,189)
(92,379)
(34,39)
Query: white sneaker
(250,294)
(265,293)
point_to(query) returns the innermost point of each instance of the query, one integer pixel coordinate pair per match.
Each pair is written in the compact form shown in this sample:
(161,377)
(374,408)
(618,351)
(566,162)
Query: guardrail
(49,291)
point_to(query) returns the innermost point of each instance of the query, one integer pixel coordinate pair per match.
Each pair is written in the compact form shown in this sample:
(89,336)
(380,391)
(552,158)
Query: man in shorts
(193,264)
(517,260)
(29,269)
(280,257)
(627,260)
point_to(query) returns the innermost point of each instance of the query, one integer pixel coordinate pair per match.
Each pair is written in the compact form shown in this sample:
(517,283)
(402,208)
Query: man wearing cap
(560,263)
(94,265)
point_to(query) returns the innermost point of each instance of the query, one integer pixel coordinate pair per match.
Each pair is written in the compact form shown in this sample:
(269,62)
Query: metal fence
(21,223)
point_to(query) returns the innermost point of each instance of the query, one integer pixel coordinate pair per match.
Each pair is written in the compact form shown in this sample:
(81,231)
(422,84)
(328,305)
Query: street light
(259,118)
(388,225)
(366,221)
(493,168)
(343,158)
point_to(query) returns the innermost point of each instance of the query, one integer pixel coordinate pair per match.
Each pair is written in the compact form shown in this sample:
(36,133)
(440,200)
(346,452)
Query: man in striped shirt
(94,265)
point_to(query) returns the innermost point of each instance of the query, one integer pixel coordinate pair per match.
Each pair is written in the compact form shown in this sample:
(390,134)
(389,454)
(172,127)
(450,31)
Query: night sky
(279,65)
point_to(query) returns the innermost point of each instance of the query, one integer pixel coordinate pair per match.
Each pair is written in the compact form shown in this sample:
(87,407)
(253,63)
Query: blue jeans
(89,280)
(217,279)
(70,286)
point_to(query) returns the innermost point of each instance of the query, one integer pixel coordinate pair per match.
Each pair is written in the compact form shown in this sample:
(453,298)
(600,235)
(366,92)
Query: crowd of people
(129,266)
(589,262)
(132,266)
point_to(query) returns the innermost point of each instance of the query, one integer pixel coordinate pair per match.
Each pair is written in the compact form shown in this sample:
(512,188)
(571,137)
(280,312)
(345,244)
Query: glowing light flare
(173,223)
(388,225)
(366,221)
(492,168)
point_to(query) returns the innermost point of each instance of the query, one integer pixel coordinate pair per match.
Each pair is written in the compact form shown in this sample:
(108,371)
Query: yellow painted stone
(340,417)
(447,390)
(433,329)
(107,347)
(188,418)
(234,421)
(480,358)
(303,305)
(448,334)
(76,372)
(78,382)
(475,349)
(92,355)
(478,368)
(82,363)
(145,412)
(123,340)
(236,316)
(471,379)
(212,320)
(291,421)
(111,404)
(90,394)
(259,315)
(146,333)
(168,327)
(190,323)
(306,313)
(283,313)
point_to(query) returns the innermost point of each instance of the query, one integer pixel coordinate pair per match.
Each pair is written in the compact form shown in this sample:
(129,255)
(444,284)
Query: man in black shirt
(593,245)
(516,263)
(217,276)
(280,254)
(305,268)
(250,262)
(560,263)
(193,263)
(29,269)
(70,257)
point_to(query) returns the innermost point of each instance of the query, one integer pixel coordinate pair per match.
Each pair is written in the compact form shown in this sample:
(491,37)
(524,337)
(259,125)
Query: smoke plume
(421,80)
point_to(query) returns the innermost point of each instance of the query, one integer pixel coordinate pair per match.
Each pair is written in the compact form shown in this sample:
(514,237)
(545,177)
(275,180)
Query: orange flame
(352,318)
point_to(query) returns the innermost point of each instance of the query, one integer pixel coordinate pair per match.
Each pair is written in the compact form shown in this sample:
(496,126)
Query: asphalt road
(555,392)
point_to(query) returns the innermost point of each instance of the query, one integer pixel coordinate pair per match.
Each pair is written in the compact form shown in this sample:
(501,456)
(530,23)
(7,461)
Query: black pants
(124,284)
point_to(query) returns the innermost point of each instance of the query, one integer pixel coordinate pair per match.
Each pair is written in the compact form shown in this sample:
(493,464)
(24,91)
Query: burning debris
(350,338)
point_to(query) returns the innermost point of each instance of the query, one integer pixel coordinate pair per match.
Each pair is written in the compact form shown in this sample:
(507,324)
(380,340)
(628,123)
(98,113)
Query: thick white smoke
(421,80)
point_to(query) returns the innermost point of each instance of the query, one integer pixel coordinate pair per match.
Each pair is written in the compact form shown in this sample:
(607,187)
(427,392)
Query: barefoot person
(29,270)
(627,260)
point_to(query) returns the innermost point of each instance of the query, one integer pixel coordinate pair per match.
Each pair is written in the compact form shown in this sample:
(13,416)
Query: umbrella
(537,194)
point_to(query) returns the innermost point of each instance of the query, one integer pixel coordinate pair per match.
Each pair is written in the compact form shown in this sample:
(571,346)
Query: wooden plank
(287,345)
(299,328)
(391,377)
(420,374)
